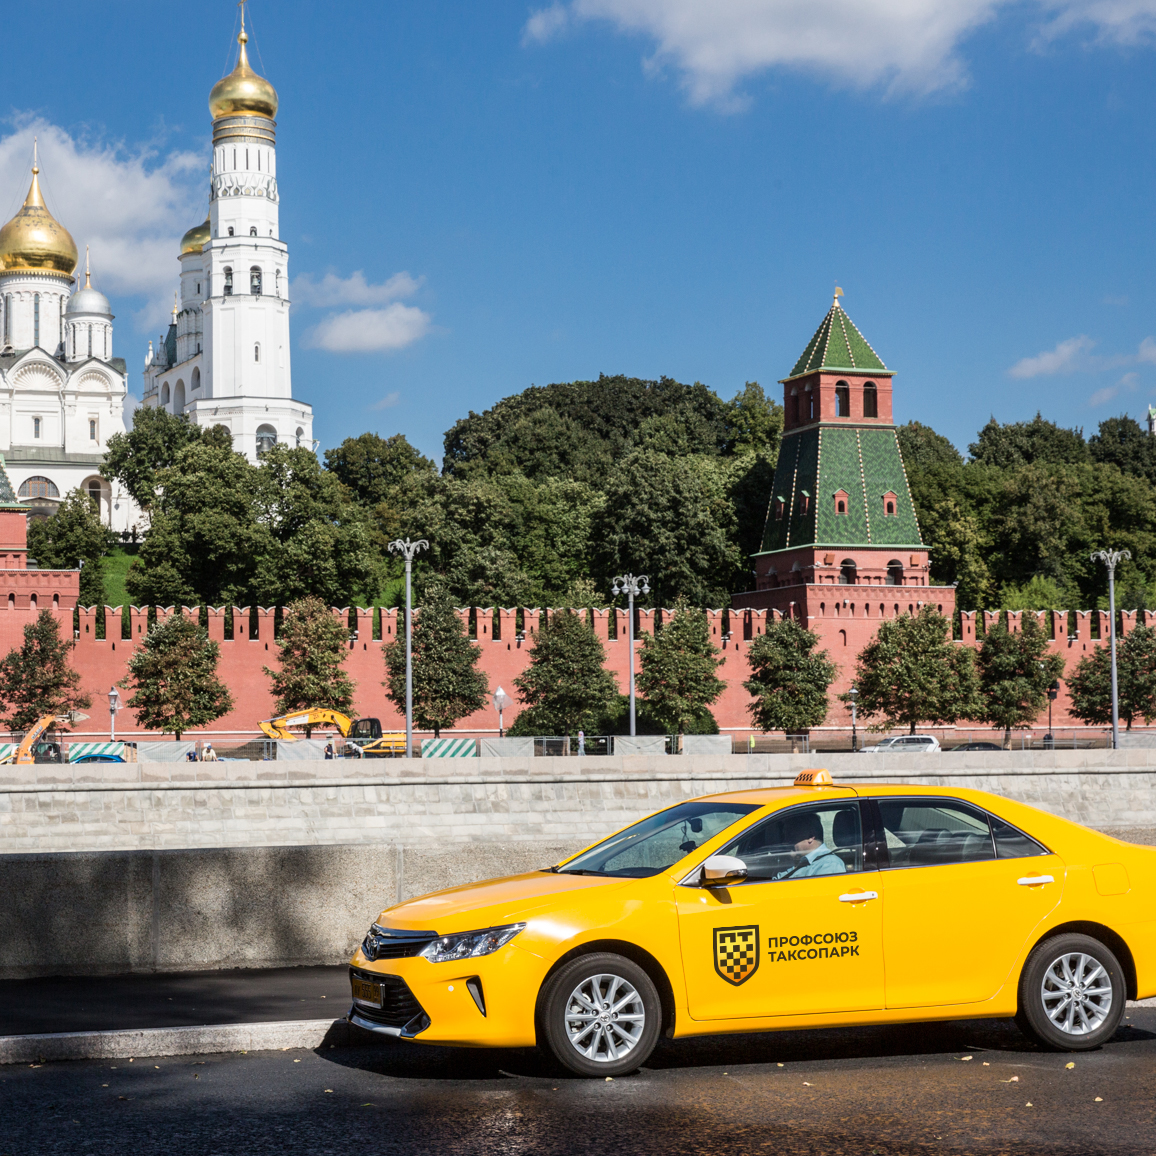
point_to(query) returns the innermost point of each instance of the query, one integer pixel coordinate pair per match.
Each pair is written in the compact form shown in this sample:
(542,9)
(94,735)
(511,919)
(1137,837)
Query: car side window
(925,832)
(1013,844)
(801,843)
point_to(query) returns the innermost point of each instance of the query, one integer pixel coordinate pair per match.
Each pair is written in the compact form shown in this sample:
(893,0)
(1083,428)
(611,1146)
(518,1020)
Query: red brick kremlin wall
(844,623)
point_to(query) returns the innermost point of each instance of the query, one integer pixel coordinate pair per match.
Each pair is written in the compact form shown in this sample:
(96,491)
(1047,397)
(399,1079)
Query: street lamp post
(408,549)
(501,701)
(629,585)
(1111,559)
(853,693)
(113,707)
(1053,691)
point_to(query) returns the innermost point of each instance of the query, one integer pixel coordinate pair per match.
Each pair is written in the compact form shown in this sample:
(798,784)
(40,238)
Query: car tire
(1072,994)
(600,1015)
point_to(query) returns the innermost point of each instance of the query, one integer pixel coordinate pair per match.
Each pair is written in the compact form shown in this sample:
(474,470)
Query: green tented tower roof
(838,347)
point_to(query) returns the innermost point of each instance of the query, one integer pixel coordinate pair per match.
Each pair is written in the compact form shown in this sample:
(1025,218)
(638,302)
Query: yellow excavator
(363,735)
(32,750)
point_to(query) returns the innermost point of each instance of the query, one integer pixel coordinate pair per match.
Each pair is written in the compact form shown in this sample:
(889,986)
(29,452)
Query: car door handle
(1034,880)
(859,897)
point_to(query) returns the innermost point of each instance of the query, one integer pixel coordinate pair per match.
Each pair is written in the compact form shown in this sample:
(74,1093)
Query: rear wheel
(600,1015)
(1072,993)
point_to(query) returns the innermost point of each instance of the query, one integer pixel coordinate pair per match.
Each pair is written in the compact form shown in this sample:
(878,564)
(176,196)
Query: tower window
(198,288)
(255,281)
(36,427)
(277,281)
(94,493)
(848,573)
(870,400)
(842,400)
(257,352)
(252,230)
(894,572)
(804,504)
(266,439)
(229,279)
(809,402)
(8,319)
(779,507)
(234,166)
(36,321)
(230,230)
(890,503)
(90,341)
(92,429)
(841,500)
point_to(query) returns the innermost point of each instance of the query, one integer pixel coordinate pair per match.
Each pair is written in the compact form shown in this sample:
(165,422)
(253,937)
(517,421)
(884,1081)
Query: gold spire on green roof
(838,347)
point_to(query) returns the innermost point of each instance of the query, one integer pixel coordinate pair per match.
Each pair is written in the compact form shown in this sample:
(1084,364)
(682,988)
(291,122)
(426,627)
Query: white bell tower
(228,351)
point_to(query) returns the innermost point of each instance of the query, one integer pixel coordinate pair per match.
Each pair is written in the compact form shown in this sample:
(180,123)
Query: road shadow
(414,1061)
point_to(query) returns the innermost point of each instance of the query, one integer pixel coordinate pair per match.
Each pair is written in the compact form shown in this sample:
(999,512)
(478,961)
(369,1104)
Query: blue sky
(536,193)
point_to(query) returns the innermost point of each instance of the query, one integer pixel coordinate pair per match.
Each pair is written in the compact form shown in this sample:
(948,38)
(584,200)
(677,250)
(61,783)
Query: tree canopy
(311,650)
(789,678)
(911,673)
(36,679)
(72,538)
(678,664)
(1090,684)
(1015,671)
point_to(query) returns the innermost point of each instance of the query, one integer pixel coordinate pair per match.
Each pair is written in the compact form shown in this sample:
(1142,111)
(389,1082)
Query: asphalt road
(867,1092)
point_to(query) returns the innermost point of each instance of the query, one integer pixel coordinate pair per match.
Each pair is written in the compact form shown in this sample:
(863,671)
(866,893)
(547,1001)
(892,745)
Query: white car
(918,743)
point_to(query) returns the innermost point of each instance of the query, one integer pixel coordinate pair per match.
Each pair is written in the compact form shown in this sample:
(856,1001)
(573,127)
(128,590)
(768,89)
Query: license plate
(367,993)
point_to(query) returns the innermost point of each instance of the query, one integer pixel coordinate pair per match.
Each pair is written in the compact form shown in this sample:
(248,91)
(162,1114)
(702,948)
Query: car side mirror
(722,870)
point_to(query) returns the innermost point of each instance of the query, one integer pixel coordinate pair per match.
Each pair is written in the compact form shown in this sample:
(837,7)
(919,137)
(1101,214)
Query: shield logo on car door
(736,953)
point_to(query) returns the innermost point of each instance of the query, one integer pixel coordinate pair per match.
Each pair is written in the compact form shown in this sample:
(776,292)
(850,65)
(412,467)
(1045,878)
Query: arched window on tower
(842,399)
(36,319)
(90,341)
(848,573)
(94,493)
(229,279)
(300,436)
(255,280)
(277,282)
(257,352)
(230,230)
(165,393)
(841,502)
(796,407)
(870,400)
(266,439)
(8,319)
(252,230)
(809,395)
(894,572)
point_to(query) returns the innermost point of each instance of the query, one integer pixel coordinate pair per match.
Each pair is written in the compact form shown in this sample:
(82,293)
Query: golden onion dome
(194,240)
(35,239)
(243,92)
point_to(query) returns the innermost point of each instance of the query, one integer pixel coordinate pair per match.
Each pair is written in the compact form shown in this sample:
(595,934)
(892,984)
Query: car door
(788,940)
(956,914)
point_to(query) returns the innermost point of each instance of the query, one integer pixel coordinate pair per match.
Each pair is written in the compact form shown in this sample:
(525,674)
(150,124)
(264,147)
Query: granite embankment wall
(110,868)
(844,625)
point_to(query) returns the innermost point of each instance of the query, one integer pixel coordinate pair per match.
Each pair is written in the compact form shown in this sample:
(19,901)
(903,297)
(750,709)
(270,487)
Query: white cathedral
(224,360)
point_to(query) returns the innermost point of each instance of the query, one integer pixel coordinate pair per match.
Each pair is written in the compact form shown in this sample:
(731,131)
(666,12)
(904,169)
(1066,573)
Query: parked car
(977,747)
(98,759)
(922,743)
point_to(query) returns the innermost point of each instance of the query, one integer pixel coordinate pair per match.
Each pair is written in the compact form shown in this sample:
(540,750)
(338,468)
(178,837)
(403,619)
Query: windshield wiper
(581,871)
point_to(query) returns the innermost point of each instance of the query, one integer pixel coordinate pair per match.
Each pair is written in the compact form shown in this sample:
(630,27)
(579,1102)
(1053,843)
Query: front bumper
(487,1001)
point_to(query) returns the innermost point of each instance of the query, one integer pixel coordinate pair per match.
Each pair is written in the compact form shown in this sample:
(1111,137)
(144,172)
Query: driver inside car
(815,857)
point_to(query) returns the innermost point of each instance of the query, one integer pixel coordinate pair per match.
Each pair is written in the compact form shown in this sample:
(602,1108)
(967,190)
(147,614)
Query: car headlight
(470,943)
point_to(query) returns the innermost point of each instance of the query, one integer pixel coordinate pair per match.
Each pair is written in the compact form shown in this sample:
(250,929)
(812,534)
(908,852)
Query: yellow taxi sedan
(815,905)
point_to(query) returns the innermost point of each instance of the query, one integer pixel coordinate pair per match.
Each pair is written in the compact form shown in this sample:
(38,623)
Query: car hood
(489,903)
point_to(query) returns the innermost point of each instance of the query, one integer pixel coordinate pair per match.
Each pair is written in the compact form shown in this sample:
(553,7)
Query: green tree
(73,537)
(1015,671)
(922,448)
(565,687)
(446,685)
(1123,443)
(789,678)
(1028,443)
(1038,593)
(173,679)
(1090,684)
(678,664)
(36,679)
(754,423)
(137,458)
(957,548)
(911,673)
(672,519)
(372,467)
(312,648)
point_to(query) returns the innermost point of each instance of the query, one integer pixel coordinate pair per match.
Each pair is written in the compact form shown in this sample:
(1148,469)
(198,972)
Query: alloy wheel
(1077,993)
(605,1018)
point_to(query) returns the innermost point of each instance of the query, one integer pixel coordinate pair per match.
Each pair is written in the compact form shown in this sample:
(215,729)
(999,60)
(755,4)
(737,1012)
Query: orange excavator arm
(278,728)
(24,752)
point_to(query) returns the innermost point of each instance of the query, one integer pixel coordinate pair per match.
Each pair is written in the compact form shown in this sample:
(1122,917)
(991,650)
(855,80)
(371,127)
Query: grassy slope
(116,566)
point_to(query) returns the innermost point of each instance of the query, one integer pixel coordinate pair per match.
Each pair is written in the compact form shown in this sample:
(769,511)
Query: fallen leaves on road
(329,1091)
(1099,1099)
(1013,1080)
(965,1058)
(1028,1104)
(1069,1065)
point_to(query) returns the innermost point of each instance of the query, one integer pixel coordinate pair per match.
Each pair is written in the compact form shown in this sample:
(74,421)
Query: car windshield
(658,842)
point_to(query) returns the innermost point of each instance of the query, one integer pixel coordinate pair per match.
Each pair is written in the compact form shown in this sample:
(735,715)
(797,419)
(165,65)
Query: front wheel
(600,1015)
(1072,994)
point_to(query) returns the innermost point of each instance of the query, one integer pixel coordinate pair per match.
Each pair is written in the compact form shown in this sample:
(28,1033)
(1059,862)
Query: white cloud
(387,402)
(370,330)
(332,290)
(1146,354)
(131,205)
(1129,382)
(1067,357)
(907,45)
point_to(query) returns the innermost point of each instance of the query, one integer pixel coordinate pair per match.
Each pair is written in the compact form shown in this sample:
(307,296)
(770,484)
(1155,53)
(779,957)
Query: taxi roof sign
(815,778)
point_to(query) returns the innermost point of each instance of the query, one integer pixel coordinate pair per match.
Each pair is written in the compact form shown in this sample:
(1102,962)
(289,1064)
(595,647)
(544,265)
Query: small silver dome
(88,300)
